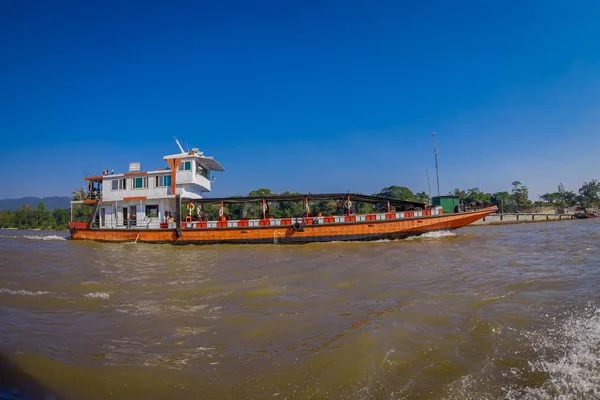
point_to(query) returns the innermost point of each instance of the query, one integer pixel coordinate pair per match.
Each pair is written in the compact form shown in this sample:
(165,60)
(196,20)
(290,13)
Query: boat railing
(143,223)
(307,220)
(157,223)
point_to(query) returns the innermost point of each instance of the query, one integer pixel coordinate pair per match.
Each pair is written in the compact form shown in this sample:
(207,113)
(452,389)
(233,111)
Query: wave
(558,361)
(98,295)
(432,235)
(22,292)
(41,237)
(569,355)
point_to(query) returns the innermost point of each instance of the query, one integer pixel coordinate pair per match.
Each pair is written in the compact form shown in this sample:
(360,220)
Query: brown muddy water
(484,313)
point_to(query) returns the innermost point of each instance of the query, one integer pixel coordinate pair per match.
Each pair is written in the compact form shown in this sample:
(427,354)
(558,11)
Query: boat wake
(570,356)
(21,292)
(432,235)
(40,237)
(559,361)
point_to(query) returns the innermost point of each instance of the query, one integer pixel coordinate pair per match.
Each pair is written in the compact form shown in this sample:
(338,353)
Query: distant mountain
(49,202)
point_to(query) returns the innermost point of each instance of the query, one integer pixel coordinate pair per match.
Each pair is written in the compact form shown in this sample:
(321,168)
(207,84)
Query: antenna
(436,165)
(177,141)
(428,186)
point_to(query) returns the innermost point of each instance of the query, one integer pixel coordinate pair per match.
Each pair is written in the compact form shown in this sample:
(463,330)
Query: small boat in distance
(167,206)
(586,215)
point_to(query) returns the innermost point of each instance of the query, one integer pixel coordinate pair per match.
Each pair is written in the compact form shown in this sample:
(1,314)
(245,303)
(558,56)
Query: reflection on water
(486,313)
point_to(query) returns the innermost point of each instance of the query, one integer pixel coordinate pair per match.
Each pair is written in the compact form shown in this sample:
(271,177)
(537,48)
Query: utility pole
(436,165)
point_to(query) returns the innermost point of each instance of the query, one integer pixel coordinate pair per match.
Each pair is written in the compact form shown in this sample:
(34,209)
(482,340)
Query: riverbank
(511,218)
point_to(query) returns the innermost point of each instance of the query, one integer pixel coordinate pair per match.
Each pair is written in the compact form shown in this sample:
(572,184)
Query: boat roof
(205,161)
(310,196)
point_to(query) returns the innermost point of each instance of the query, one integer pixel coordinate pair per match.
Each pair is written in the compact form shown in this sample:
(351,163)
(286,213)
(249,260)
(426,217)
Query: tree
(476,195)
(397,192)
(421,197)
(520,195)
(589,192)
(78,194)
(461,194)
(42,216)
(501,200)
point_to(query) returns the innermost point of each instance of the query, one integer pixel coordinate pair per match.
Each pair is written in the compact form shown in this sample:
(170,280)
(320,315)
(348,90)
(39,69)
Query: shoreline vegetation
(517,200)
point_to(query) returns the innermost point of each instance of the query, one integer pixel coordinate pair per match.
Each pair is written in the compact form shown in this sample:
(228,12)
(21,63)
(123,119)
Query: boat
(586,215)
(168,205)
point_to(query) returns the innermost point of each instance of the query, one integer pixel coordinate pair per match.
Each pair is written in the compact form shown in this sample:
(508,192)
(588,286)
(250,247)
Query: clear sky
(316,96)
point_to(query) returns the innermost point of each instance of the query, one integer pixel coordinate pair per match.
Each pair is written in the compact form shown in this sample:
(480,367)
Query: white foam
(22,292)
(433,235)
(570,355)
(98,295)
(43,237)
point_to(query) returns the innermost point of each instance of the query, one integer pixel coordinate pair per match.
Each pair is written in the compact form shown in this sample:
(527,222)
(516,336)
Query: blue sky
(316,96)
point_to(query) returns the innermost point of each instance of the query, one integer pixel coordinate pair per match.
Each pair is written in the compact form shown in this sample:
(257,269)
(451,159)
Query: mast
(177,141)
(436,165)
(428,185)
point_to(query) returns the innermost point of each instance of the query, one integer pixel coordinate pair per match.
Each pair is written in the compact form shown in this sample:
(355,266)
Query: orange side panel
(350,218)
(267,233)
(243,222)
(286,221)
(390,216)
(93,178)
(135,198)
(135,173)
(328,219)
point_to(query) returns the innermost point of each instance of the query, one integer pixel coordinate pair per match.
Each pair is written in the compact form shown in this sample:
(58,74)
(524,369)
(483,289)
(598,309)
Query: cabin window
(140,183)
(161,181)
(119,184)
(201,171)
(152,211)
(185,166)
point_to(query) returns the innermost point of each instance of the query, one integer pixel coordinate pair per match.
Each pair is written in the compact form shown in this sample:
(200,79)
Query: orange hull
(364,230)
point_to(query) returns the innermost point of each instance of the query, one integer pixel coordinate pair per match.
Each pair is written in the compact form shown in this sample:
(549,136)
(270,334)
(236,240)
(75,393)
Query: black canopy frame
(402,204)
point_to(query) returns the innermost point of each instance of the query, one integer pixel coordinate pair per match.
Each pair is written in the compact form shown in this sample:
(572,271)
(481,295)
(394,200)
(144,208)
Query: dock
(518,218)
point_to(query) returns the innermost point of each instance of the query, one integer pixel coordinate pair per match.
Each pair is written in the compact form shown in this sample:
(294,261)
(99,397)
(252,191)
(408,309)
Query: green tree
(476,195)
(260,192)
(42,217)
(78,194)
(421,197)
(520,195)
(501,200)
(589,192)
(461,194)
(397,192)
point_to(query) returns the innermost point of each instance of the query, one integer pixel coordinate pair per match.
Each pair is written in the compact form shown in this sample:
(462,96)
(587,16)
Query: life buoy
(264,207)
(191,206)
(348,204)
(220,212)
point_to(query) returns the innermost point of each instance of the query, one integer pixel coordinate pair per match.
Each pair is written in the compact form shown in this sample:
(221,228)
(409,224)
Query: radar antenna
(178,144)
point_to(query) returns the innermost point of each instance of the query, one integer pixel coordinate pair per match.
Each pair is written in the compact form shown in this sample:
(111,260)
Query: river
(489,312)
